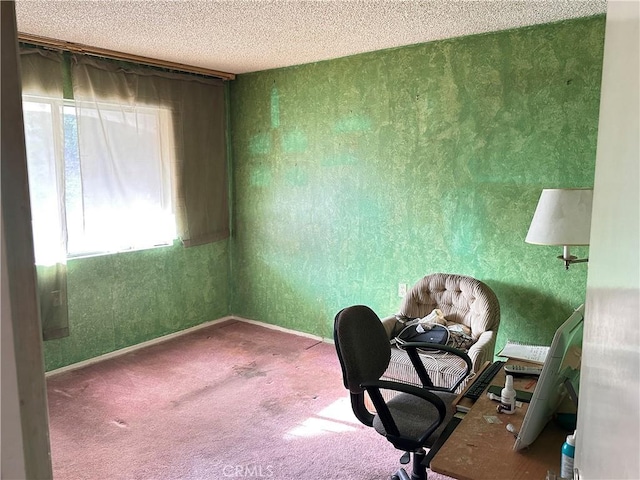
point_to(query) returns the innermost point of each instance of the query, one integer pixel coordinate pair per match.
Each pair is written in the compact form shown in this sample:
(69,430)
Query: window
(101,167)
(109,166)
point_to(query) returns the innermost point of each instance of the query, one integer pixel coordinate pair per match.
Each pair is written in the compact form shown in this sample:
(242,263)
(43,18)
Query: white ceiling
(240,36)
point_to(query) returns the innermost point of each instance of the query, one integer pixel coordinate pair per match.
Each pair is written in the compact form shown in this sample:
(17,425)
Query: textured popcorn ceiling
(243,36)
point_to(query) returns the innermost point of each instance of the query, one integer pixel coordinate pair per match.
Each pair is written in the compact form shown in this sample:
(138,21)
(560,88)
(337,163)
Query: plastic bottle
(568,452)
(508,397)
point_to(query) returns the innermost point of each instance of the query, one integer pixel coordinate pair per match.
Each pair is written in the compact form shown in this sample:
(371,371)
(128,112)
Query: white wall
(608,439)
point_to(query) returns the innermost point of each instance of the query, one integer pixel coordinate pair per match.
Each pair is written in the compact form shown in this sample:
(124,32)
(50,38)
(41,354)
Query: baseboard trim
(133,348)
(164,338)
(285,330)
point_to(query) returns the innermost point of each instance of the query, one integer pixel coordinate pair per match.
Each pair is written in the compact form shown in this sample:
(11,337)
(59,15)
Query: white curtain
(125,162)
(137,129)
(43,119)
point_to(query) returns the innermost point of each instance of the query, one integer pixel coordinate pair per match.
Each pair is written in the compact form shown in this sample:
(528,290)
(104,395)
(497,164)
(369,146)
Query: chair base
(419,468)
(400,475)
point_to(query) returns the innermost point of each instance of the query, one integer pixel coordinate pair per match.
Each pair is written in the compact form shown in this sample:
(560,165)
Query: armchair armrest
(392,326)
(482,350)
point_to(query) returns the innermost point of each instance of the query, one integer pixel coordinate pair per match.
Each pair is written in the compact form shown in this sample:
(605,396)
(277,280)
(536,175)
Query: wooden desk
(478,449)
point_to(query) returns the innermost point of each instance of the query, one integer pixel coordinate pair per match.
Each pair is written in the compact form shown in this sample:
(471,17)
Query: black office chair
(415,417)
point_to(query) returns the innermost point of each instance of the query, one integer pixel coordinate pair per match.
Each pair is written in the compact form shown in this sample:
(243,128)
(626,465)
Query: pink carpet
(233,400)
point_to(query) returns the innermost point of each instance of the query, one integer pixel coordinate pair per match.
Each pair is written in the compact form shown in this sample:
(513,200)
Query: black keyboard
(484,379)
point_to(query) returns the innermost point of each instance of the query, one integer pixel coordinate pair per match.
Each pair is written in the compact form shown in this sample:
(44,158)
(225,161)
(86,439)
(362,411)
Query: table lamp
(562,217)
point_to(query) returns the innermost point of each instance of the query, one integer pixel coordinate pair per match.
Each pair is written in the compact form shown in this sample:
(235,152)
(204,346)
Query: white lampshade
(563,217)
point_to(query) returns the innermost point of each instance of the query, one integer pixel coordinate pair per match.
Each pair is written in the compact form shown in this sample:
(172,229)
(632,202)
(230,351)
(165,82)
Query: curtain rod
(103,52)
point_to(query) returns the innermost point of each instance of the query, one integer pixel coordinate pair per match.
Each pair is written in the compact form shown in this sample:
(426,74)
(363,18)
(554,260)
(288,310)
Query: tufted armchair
(463,300)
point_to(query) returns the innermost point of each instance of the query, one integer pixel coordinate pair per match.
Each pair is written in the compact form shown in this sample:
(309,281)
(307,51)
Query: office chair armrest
(409,389)
(412,351)
(373,388)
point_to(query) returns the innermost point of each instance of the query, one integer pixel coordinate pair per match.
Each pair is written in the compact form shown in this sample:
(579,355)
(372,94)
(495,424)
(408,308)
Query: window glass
(116,170)
(46,184)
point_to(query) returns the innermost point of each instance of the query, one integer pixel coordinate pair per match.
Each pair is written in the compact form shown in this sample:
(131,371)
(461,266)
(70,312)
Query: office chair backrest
(362,346)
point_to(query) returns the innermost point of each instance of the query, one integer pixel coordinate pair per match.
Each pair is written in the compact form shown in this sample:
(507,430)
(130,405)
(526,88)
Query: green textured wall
(355,174)
(116,301)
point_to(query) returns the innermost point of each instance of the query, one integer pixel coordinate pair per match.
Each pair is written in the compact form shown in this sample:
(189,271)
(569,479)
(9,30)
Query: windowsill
(119,252)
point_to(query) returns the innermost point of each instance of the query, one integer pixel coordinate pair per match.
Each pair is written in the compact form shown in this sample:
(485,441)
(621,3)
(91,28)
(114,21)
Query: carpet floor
(232,400)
